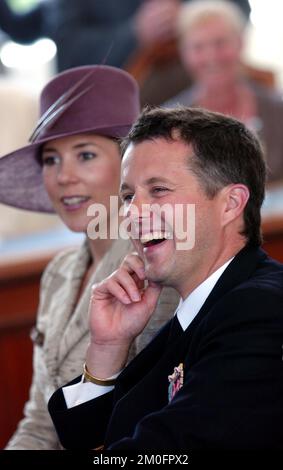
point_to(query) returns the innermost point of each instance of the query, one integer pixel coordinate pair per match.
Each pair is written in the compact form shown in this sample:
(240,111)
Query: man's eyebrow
(149,181)
(157,179)
(124,187)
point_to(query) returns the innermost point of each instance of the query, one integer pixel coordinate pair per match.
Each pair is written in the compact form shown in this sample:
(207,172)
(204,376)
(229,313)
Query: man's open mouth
(154,238)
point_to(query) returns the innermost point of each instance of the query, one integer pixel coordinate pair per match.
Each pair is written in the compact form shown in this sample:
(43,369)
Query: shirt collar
(189,308)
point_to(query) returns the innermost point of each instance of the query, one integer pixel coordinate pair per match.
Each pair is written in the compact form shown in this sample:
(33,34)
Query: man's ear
(235,197)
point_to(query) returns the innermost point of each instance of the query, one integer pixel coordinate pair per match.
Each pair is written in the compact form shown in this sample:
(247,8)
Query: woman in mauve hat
(72,162)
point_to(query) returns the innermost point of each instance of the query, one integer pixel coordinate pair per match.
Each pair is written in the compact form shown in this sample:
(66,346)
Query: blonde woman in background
(211,38)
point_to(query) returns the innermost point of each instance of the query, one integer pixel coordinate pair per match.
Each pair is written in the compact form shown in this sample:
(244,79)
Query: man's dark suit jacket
(232,396)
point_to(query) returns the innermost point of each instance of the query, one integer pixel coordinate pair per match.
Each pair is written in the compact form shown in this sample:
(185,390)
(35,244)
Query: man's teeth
(70,201)
(148,237)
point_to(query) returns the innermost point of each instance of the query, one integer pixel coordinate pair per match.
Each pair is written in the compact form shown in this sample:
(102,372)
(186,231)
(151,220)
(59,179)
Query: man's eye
(49,160)
(127,197)
(87,156)
(159,189)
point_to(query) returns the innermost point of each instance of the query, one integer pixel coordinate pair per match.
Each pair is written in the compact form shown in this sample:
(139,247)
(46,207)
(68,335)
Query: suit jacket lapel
(151,367)
(238,271)
(142,363)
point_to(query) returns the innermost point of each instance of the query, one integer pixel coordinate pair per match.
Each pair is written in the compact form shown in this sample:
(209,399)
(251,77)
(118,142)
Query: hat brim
(21,182)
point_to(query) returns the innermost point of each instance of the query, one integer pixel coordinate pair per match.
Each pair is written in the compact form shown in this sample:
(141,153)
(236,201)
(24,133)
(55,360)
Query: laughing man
(212,378)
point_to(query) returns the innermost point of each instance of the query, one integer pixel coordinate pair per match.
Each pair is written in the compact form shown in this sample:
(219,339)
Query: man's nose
(138,208)
(139,215)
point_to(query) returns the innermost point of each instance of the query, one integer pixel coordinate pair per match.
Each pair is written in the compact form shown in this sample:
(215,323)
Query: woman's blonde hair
(198,11)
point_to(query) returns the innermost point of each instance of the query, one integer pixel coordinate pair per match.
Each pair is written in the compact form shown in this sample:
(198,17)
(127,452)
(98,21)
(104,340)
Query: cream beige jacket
(62,336)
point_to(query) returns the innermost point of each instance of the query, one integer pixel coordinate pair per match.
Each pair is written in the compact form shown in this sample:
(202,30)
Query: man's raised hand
(120,308)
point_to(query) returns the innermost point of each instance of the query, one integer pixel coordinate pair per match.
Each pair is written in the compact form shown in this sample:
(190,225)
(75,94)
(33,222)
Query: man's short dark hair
(224,152)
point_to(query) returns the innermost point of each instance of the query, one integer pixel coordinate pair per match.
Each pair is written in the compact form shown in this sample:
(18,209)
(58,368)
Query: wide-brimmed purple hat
(98,98)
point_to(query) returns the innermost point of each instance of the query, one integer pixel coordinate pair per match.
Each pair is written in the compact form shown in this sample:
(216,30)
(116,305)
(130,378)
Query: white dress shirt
(187,310)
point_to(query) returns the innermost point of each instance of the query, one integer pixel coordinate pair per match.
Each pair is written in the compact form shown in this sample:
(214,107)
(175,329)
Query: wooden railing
(272,228)
(19,296)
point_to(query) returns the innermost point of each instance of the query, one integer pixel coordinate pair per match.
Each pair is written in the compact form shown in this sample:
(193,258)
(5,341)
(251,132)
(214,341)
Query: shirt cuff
(82,392)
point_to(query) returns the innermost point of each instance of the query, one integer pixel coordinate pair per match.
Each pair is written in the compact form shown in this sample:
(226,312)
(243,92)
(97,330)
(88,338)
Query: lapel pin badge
(176,381)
